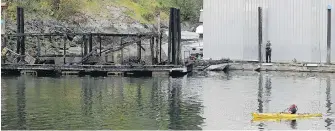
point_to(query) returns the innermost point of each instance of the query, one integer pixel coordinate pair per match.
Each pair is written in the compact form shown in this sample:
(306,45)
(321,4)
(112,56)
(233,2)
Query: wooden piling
(160,47)
(85,45)
(20,30)
(173,36)
(64,49)
(90,40)
(329,35)
(170,36)
(100,44)
(152,40)
(139,51)
(178,37)
(156,50)
(38,46)
(121,55)
(260,34)
(23,46)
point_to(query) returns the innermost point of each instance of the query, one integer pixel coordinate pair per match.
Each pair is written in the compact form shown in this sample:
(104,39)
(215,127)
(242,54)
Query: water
(206,101)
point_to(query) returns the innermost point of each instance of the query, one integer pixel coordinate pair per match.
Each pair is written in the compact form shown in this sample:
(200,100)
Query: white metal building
(297,29)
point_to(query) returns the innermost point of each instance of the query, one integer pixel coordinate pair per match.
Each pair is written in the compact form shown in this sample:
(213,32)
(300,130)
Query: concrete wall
(296,28)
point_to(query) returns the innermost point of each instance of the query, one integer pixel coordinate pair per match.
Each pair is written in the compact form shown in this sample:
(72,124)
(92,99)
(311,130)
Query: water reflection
(329,103)
(268,87)
(87,96)
(260,93)
(21,104)
(174,104)
(293,124)
(161,103)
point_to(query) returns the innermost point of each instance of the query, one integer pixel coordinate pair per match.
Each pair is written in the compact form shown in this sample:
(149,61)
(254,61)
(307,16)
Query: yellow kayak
(277,119)
(284,115)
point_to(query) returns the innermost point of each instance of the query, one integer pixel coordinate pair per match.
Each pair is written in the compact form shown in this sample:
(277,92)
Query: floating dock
(287,67)
(93,70)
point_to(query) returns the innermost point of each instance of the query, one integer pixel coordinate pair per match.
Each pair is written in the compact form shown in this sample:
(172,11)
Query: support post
(23,46)
(90,40)
(170,37)
(156,49)
(329,35)
(38,46)
(82,48)
(64,49)
(139,51)
(100,43)
(152,40)
(173,35)
(85,45)
(158,52)
(160,47)
(178,37)
(121,56)
(18,31)
(260,34)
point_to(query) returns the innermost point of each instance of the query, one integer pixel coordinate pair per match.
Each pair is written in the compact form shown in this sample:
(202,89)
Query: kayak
(278,119)
(284,115)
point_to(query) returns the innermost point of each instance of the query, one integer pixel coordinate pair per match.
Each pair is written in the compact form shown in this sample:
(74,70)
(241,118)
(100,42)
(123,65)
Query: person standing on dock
(268,51)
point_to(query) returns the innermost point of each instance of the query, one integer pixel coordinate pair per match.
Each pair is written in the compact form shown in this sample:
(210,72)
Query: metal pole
(260,37)
(329,36)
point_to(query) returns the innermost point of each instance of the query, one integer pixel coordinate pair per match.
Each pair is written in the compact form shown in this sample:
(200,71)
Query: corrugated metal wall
(296,28)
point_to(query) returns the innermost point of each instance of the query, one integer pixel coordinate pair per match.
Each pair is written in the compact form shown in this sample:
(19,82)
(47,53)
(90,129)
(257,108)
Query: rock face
(116,22)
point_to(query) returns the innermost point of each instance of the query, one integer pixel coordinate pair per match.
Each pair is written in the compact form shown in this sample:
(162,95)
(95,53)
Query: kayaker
(293,109)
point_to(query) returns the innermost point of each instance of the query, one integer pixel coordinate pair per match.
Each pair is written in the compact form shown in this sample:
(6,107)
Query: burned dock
(94,58)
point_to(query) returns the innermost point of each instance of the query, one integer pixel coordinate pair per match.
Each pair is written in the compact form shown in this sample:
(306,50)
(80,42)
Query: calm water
(211,100)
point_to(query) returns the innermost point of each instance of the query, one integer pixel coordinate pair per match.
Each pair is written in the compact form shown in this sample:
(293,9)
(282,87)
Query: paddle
(284,110)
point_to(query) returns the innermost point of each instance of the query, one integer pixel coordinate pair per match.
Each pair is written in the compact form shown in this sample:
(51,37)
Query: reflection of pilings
(268,87)
(139,96)
(329,103)
(87,96)
(154,92)
(174,104)
(21,104)
(260,93)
